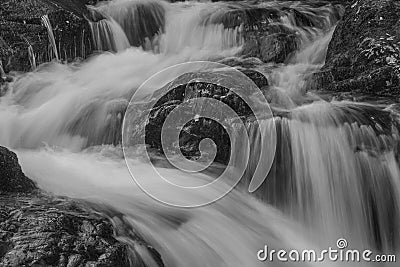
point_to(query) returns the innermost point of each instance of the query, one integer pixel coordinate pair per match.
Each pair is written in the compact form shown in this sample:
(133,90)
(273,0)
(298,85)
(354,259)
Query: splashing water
(332,174)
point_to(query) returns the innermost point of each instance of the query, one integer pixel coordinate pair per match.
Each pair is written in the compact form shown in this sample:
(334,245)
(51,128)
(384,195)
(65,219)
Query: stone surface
(265,36)
(12,179)
(364,54)
(41,230)
(194,131)
(36,230)
(22,34)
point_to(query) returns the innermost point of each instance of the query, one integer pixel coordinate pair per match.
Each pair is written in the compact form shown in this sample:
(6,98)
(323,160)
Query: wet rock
(77,7)
(277,47)
(12,179)
(265,35)
(194,131)
(41,230)
(363,56)
(46,231)
(24,41)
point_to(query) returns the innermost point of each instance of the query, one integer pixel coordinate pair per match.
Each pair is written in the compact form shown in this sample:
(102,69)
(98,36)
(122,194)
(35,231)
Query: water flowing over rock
(24,38)
(141,20)
(41,230)
(335,172)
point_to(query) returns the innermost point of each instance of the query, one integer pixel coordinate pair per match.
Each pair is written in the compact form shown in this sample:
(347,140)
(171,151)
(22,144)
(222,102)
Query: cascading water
(46,22)
(109,36)
(334,174)
(32,57)
(148,18)
(335,170)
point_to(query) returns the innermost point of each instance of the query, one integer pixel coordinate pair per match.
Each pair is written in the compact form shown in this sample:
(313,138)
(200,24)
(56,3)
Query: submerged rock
(364,54)
(41,230)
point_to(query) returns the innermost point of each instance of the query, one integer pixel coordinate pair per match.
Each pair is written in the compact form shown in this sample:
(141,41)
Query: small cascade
(186,29)
(141,20)
(2,72)
(32,57)
(46,22)
(109,36)
(154,26)
(335,169)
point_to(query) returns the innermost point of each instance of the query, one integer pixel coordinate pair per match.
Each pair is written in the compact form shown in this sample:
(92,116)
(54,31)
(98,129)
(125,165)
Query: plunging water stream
(46,22)
(335,174)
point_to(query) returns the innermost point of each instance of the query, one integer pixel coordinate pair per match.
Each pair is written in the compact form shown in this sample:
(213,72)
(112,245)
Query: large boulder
(364,55)
(193,131)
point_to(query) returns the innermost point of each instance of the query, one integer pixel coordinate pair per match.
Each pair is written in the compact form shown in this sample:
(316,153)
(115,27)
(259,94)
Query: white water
(51,115)
(227,233)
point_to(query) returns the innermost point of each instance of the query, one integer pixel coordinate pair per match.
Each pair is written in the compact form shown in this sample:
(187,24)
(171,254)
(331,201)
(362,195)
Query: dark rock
(23,34)
(41,230)
(364,54)
(12,179)
(194,131)
(78,7)
(277,47)
(265,36)
(45,231)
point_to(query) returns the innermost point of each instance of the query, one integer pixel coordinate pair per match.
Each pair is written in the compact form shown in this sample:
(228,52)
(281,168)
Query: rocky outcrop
(364,54)
(12,179)
(266,36)
(194,131)
(41,230)
(24,40)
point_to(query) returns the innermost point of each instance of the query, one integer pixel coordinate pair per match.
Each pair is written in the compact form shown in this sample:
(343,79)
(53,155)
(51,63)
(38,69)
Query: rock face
(36,230)
(364,54)
(12,179)
(24,40)
(41,230)
(265,35)
(194,131)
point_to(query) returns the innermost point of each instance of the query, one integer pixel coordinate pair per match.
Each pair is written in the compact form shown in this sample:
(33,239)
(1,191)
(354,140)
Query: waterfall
(109,36)
(2,72)
(32,57)
(140,19)
(336,169)
(154,26)
(46,22)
